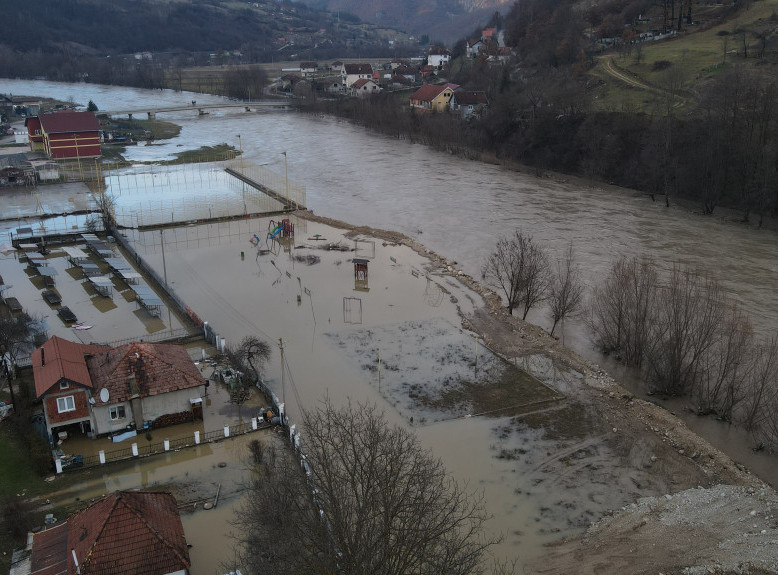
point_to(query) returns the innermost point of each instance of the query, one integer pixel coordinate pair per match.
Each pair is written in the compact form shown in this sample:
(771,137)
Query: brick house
(101,390)
(124,533)
(63,382)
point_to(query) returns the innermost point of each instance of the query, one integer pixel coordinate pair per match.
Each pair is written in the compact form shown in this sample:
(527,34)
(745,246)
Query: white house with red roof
(101,390)
(350,73)
(438,57)
(124,533)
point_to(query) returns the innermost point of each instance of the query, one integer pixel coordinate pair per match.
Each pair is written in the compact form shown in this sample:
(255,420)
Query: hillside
(683,68)
(257,29)
(444,20)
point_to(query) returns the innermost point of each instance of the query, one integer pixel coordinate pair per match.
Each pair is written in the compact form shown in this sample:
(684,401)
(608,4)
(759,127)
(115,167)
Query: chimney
(43,356)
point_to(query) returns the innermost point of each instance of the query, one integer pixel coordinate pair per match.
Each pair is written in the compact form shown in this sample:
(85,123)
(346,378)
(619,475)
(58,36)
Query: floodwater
(194,474)
(457,208)
(337,329)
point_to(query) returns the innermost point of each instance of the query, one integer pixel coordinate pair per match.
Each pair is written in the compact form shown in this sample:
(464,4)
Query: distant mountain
(446,20)
(258,28)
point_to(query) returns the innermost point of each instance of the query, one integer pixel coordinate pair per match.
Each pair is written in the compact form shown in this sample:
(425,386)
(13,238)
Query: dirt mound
(724,529)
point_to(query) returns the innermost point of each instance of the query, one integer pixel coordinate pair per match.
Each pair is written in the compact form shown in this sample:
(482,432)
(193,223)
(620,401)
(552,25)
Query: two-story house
(350,73)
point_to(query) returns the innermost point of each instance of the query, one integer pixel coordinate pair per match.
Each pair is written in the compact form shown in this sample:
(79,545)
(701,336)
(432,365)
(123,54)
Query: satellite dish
(104,395)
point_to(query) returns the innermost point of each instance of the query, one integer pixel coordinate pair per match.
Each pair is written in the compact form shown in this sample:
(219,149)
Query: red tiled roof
(128,533)
(358,69)
(427,93)
(470,98)
(63,360)
(50,551)
(359,83)
(69,121)
(158,368)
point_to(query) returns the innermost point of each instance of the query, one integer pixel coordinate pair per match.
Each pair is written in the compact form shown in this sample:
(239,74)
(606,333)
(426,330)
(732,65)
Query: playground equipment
(285,228)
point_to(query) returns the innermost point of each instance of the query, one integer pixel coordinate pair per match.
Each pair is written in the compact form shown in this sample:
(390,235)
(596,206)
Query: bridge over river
(201,109)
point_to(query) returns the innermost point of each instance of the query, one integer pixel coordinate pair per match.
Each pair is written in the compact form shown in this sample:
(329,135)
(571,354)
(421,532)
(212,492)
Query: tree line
(679,329)
(723,155)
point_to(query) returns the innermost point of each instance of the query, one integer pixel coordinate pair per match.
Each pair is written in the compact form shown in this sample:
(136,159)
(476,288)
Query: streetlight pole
(286,171)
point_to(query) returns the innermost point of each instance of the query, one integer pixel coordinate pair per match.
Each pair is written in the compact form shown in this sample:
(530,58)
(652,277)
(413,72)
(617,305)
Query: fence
(162,336)
(139,449)
(281,185)
(152,195)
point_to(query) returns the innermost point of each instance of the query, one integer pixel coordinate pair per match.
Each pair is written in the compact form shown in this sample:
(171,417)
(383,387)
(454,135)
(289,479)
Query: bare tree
(249,358)
(567,288)
(370,499)
(17,338)
(621,309)
(726,368)
(520,268)
(757,412)
(685,327)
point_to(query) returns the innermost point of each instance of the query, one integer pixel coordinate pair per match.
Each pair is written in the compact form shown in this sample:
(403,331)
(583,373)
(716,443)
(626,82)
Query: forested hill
(440,20)
(103,27)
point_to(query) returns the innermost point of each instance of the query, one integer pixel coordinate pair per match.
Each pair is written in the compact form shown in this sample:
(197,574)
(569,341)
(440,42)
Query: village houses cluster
(422,78)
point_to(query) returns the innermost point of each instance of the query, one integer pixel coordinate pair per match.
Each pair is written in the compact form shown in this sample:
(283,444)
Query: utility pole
(283,367)
(286,172)
(162,243)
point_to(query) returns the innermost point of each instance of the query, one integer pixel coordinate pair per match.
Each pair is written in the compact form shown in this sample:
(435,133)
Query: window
(63,385)
(65,404)
(116,412)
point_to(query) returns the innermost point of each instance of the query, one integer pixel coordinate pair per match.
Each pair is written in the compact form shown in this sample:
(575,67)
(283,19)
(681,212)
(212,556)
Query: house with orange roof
(123,533)
(101,390)
(431,98)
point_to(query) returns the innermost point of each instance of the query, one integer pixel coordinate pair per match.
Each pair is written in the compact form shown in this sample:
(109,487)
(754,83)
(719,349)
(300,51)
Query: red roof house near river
(103,390)
(65,135)
(124,533)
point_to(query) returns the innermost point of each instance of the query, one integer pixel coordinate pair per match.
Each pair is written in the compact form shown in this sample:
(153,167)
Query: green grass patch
(16,472)
(204,154)
(514,392)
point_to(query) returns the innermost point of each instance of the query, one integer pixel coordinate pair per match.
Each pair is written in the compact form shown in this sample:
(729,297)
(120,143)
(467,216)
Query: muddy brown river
(457,208)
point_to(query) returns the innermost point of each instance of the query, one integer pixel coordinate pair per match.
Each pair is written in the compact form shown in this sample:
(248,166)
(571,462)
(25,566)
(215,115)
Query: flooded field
(546,474)
(433,374)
